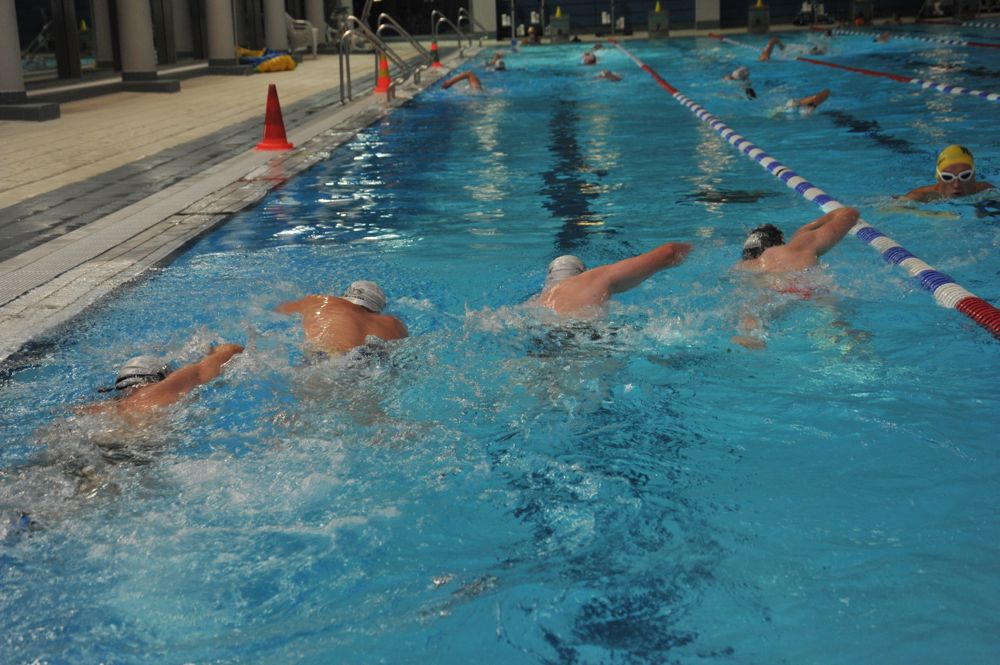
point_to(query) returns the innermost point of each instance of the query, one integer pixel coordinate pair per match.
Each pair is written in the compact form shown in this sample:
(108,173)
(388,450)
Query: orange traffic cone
(383,85)
(274,125)
(434,54)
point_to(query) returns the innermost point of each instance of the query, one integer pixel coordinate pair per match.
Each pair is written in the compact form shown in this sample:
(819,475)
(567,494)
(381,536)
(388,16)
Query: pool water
(504,489)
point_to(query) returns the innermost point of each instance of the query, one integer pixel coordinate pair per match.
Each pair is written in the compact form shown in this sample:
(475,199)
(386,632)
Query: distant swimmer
(335,325)
(532,37)
(571,289)
(497,63)
(956,177)
(766,53)
(474,82)
(742,75)
(147,382)
(883,37)
(765,251)
(608,75)
(807,105)
(589,58)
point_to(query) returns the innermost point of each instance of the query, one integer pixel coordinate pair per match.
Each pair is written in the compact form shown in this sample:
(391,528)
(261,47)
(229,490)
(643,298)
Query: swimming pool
(506,491)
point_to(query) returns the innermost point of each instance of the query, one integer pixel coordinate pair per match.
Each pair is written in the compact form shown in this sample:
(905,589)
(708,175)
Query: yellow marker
(760,4)
(658,9)
(558,11)
(83,26)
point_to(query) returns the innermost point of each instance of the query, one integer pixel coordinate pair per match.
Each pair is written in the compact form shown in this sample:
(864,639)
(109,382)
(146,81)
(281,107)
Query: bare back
(334,325)
(806,246)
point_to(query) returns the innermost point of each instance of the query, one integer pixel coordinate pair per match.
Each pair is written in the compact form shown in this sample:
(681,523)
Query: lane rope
(939,40)
(981,24)
(945,88)
(945,290)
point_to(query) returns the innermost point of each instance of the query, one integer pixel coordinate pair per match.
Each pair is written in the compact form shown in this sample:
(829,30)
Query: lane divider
(939,40)
(926,85)
(945,88)
(981,24)
(944,289)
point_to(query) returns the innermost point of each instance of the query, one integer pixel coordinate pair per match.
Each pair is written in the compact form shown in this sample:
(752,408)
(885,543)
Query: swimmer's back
(335,325)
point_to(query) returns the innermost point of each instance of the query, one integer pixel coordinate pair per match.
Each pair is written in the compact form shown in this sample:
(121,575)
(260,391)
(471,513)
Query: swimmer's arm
(293,306)
(624,275)
(189,377)
(822,234)
(815,100)
(922,194)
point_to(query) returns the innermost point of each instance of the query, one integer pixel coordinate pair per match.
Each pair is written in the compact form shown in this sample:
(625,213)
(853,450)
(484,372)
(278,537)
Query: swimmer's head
(366,294)
(740,74)
(760,239)
(562,268)
(499,65)
(141,371)
(952,155)
(750,93)
(589,58)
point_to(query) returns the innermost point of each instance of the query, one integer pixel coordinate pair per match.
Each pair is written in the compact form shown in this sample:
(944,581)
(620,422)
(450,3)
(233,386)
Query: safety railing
(441,18)
(381,48)
(385,21)
(483,33)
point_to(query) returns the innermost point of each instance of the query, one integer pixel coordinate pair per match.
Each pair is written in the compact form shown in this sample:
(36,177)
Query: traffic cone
(558,11)
(274,125)
(658,9)
(383,85)
(436,62)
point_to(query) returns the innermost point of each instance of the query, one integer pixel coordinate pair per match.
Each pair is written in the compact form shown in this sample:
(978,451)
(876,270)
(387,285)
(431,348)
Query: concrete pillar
(13,98)
(275,32)
(183,29)
(314,14)
(11,76)
(221,38)
(103,51)
(135,36)
(707,14)
(485,13)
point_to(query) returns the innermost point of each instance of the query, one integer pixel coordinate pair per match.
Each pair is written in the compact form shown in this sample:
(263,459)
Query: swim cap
(141,370)
(563,267)
(760,239)
(954,154)
(366,294)
(740,74)
(499,66)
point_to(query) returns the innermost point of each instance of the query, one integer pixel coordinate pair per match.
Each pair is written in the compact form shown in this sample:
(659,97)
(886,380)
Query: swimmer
(571,289)
(532,37)
(956,177)
(608,75)
(766,53)
(589,58)
(146,382)
(765,251)
(497,63)
(335,325)
(883,37)
(474,82)
(807,105)
(738,74)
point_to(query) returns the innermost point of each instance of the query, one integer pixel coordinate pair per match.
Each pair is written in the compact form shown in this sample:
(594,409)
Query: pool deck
(121,182)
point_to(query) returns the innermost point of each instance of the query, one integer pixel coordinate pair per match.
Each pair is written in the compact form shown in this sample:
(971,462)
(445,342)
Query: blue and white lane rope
(944,289)
(981,24)
(939,40)
(945,88)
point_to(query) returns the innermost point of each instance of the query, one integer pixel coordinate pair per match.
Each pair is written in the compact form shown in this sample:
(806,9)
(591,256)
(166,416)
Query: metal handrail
(464,13)
(443,19)
(384,21)
(381,48)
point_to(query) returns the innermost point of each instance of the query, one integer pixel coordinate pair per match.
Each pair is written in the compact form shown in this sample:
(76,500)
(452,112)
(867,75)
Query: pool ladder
(355,28)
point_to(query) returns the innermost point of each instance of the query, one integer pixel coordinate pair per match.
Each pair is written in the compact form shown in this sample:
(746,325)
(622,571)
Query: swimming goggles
(964,176)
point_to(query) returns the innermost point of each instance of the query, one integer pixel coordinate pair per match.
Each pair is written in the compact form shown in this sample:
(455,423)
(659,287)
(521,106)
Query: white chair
(301,36)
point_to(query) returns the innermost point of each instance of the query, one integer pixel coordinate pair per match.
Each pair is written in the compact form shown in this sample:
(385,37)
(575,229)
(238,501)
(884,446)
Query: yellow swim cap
(954,154)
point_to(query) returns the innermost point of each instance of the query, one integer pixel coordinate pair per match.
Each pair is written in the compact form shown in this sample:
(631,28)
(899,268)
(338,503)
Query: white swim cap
(740,74)
(562,267)
(366,294)
(141,370)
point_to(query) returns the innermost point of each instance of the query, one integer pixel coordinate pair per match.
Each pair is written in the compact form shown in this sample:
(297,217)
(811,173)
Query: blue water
(499,490)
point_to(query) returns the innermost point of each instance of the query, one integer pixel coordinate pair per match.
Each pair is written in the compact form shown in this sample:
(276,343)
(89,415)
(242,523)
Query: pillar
(275,32)
(314,14)
(13,98)
(706,14)
(135,35)
(11,76)
(221,38)
(103,53)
